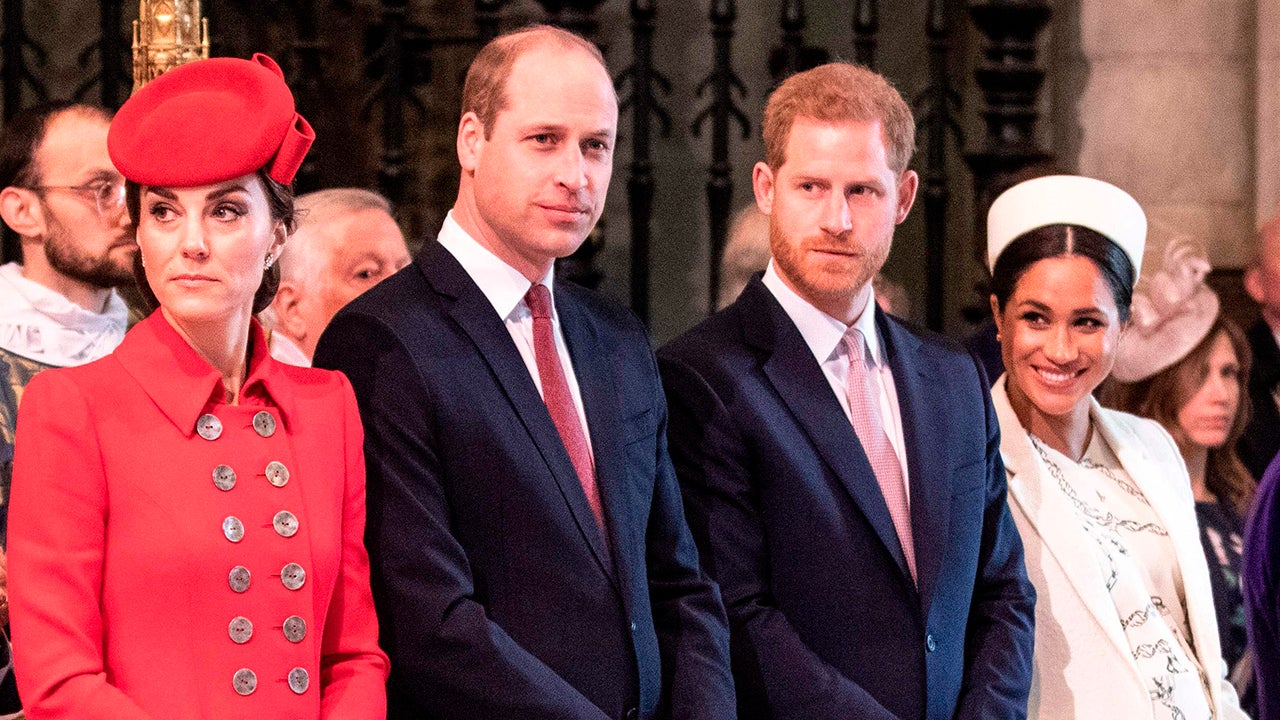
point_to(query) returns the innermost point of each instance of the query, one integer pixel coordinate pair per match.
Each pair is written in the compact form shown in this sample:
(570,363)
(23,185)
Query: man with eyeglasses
(64,201)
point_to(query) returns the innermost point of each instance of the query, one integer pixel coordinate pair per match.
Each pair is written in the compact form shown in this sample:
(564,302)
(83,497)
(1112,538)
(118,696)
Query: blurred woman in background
(1185,365)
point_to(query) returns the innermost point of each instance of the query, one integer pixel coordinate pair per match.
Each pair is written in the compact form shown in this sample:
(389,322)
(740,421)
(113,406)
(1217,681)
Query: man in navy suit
(841,471)
(529,549)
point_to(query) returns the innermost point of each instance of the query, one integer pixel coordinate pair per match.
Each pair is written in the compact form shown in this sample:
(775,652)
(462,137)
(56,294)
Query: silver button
(295,629)
(233,528)
(209,427)
(286,523)
(239,578)
(277,473)
(240,629)
(292,575)
(264,424)
(244,681)
(224,477)
(299,680)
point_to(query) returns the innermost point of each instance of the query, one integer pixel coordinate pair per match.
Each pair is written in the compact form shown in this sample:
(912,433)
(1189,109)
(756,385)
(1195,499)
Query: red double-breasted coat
(173,556)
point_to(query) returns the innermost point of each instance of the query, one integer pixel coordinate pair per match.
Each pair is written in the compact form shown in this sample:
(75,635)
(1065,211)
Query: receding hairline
(316,210)
(77,110)
(1267,239)
(485,85)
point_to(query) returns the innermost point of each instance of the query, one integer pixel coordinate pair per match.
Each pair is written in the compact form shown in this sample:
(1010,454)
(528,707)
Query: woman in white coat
(1125,625)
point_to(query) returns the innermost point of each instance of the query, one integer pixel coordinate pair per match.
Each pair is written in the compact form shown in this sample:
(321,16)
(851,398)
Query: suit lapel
(915,381)
(1053,518)
(598,383)
(1155,479)
(477,318)
(798,379)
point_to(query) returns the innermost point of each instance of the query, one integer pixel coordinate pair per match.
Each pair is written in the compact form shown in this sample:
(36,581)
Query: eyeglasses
(108,195)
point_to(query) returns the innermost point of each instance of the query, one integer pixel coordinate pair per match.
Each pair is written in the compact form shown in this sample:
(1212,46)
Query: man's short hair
(317,209)
(22,136)
(484,91)
(839,92)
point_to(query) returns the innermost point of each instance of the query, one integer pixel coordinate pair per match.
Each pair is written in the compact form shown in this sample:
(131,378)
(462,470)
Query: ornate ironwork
(642,79)
(576,15)
(15,73)
(792,22)
(721,112)
(307,80)
(110,48)
(399,60)
(488,17)
(936,110)
(1010,83)
(866,23)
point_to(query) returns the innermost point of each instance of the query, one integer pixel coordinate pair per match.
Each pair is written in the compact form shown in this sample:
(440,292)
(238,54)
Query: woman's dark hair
(1163,395)
(1052,241)
(280,202)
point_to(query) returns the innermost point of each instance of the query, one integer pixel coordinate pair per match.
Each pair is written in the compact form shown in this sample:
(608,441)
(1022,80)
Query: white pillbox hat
(1067,200)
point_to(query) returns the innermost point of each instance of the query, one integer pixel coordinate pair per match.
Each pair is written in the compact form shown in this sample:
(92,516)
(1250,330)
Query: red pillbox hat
(210,121)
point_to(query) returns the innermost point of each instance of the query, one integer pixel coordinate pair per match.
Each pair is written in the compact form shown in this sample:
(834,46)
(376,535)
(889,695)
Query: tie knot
(855,344)
(539,301)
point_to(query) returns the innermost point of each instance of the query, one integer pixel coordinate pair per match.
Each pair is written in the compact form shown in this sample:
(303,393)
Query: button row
(224,477)
(292,576)
(209,427)
(240,629)
(245,681)
(285,524)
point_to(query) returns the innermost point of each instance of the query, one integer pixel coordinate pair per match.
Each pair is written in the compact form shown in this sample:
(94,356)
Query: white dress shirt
(823,334)
(286,351)
(505,288)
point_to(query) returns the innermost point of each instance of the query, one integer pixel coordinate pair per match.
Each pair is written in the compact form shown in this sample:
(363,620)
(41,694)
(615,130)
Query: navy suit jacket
(497,595)
(1261,438)
(826,621)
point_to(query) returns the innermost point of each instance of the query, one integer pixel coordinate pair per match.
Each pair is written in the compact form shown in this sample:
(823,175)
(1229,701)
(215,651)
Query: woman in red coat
(187,517)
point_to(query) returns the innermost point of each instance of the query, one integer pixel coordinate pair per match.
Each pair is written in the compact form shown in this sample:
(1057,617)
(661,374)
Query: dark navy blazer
(496,593)
(826,621)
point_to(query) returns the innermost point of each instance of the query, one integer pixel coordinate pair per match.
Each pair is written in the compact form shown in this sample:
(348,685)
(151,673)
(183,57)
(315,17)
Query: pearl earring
(266,265)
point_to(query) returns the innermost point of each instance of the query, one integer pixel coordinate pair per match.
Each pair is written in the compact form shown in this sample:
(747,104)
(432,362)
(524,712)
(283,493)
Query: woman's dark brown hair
(1163,395)
(280,202)
(1052,241)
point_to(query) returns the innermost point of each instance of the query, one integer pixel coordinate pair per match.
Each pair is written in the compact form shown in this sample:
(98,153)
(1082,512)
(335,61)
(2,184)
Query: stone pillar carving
(1268,109)
(1168,111)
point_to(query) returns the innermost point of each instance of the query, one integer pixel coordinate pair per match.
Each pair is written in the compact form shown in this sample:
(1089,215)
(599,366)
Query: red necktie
(555,393)
(863,393)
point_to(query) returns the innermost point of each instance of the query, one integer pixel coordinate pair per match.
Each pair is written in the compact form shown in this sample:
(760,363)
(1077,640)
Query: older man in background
(346,243)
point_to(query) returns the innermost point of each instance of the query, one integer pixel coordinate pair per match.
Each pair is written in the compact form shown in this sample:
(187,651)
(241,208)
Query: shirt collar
(821,332)
(502,284)
(286,351)
(182,384)
(43,325)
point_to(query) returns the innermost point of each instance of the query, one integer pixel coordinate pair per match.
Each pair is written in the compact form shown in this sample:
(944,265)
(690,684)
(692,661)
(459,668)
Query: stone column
(1268,104)
(1160,98)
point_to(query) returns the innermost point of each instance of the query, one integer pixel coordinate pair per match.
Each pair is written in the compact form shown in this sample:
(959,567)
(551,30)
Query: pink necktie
(863,392)
(555,393)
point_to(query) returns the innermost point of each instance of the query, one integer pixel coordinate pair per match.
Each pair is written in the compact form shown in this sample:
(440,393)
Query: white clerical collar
(43,325)
(502,284)
(821,332)
(286,350)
